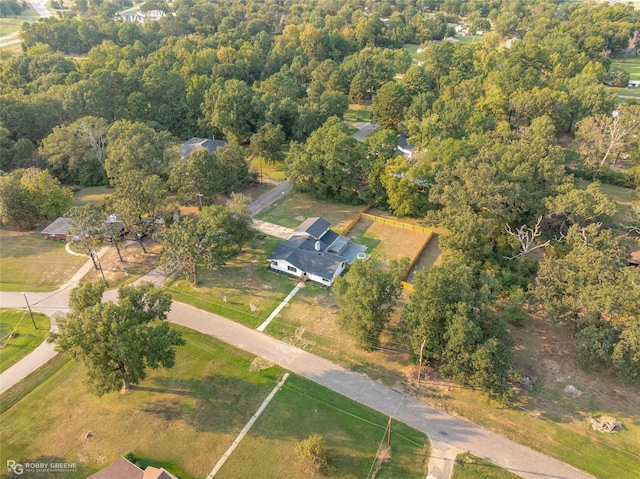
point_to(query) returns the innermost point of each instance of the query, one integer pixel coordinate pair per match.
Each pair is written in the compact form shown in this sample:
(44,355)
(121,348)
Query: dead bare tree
(97,140)
(527,238)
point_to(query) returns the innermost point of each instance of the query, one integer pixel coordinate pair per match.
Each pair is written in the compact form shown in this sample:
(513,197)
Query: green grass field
(622,196)
(94,195)
(184,419)
(269,170)
(294,208)
(13,24)
(468,466)
(26,339)
(28,262)
(250,289)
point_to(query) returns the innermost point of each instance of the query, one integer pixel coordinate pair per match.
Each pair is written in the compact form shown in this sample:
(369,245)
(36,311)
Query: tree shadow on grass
(214,403)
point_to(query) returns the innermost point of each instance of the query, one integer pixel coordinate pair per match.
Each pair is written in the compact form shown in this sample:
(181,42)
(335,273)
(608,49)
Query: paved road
(447,433)
(364,129)
(269,197)
(40,8)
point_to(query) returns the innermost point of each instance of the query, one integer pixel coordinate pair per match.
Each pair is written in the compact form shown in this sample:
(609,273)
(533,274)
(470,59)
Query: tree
(329,165)
(448,318)
(118,342)
(31,195)
(313,450)
(366,296)
(187,243)
(602,138)
(16,209)
(138,201)
(135,147)
(389,104)
(266,144)
(85,226)
(229,107)
(75,153)
(582,206)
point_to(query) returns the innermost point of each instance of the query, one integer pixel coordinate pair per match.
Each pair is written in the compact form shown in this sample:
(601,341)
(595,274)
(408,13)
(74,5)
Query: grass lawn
(629,64)
(352,433)
(269,170)
(622,196)
(413,51)
(468,466)
(136,263)
(13,24)
(385,242)
(294,208)
(469,38)
(309,322)
(252,292)
(359,113)
(28,262)
(183,419)
(94,195)
(429,257)
(26,338)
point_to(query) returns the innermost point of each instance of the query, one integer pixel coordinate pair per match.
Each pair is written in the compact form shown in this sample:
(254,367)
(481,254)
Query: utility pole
(420,363)
(30,312)
(199,195)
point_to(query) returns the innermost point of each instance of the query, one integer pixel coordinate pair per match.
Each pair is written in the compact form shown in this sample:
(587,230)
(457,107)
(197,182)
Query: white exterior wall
(282,265)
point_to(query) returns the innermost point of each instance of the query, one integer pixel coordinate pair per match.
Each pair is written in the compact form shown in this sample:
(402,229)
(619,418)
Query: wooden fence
(398,224)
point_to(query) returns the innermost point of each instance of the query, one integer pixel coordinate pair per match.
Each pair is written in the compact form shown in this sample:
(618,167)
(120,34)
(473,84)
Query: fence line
(398,224)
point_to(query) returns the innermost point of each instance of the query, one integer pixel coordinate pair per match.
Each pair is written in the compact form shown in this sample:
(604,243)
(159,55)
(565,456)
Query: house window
(292,269)
(326,280)
(274,264)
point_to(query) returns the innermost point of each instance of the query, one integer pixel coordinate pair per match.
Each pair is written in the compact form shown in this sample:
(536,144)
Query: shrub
(313,451)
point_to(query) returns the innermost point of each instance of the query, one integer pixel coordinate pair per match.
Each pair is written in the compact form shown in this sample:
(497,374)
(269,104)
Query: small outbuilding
(57,230)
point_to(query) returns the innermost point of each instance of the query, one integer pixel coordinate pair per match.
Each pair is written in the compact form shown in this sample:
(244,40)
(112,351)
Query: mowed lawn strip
(25,339)
(353,433)
(183,418)
(294,208)
(244,290)
(28,262)
(468,466)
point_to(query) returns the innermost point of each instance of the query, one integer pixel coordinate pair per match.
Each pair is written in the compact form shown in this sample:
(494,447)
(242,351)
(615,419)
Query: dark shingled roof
(60,226)
(308,260)
(197,143)
(314,227)
(121,469)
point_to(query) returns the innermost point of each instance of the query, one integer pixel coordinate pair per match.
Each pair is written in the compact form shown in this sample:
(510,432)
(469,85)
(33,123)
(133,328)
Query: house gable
(315,252)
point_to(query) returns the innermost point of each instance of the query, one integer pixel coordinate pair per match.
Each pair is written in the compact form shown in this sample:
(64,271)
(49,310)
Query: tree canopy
(118,342)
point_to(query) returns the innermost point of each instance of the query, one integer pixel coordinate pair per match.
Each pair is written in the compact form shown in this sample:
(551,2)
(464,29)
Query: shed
(57,230)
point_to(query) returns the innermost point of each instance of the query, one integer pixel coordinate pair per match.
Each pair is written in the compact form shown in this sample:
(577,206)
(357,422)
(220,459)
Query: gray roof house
(315,252)
(198,143)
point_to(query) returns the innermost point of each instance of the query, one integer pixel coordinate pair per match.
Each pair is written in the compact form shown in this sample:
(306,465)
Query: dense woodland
(505,131)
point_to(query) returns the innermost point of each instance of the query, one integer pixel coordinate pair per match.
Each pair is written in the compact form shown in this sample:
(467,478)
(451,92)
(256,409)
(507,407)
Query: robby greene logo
(17,468)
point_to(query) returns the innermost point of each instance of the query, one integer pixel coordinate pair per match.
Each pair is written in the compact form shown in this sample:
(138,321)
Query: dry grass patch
(136,262)
(310,323)
(386,242)
(28,262)
(293,208)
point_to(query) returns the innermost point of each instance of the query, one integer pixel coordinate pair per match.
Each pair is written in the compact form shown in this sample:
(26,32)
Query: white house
(316,253)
